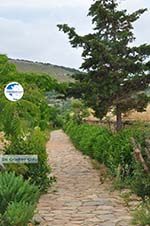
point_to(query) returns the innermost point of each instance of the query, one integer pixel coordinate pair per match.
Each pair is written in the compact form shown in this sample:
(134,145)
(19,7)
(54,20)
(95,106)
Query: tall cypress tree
(116,72)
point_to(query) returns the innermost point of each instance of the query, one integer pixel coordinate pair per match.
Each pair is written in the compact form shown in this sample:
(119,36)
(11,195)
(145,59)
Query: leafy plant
(18,214)
(32,144)
(26,122)
(114,151)
(141,182)
(14,188)
(18,200)
(115,73)
(142,214)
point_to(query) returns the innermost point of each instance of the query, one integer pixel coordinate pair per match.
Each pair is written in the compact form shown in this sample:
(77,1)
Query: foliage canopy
(117,73)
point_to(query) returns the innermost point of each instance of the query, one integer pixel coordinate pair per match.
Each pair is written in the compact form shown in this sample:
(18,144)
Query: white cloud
(134,5)
(39,41)
(44,3)
(28,28)
(142,32)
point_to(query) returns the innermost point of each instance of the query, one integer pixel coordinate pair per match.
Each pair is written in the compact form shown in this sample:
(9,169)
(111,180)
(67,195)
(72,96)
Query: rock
(37,219)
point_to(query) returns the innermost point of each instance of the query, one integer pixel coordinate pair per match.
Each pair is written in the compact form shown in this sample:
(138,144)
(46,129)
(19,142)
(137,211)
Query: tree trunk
(119,124)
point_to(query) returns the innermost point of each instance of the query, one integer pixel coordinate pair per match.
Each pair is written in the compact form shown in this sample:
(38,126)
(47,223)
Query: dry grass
(3,142)
(144,116)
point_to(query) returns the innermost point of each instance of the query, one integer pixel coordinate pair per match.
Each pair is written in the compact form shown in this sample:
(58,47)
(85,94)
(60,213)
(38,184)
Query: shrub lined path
(79,199)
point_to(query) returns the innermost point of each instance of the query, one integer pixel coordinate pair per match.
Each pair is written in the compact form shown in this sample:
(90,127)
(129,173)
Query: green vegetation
(32,144)
(26,124)
(18,200)
(115,151)
(116,78)
(117,74)
(142,214)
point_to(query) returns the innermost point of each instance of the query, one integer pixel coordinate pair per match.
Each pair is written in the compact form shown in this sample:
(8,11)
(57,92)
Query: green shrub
(120,154)
(25,123)
(14,188)
(32,144)
(18,198)
(111,149)
(85,136)
(18,214)
(142,214)
(87,140)
(115,151)
(101,146)
(141,182)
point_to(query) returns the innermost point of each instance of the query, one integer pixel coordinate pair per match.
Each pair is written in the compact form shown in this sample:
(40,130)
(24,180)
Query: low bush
(18,200)
(111,149)
(115,150)
(141,182)
(18,214)
(31,144)
(142,214)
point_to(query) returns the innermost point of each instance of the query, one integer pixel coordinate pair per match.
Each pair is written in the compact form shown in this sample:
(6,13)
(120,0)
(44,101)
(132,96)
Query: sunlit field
(139,116)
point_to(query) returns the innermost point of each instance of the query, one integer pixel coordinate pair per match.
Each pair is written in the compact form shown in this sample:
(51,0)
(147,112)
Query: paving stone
(79,198)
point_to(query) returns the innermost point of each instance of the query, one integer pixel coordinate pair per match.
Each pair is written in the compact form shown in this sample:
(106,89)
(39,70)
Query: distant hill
(62,74)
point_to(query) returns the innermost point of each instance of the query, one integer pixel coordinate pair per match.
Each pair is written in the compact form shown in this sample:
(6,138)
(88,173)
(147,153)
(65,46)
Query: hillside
(60,73)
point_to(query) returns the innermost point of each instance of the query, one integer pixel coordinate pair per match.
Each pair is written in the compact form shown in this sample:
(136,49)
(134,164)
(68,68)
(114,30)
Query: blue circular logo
(14,91)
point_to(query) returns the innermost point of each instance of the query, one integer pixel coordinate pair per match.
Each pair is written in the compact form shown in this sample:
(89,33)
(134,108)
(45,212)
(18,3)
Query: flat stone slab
(78,199)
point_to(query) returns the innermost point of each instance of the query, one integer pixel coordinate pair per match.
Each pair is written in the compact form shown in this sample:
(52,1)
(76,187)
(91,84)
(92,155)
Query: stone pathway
(79,199)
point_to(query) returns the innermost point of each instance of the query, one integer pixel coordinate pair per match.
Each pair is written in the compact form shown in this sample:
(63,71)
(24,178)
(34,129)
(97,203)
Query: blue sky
(28,28)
